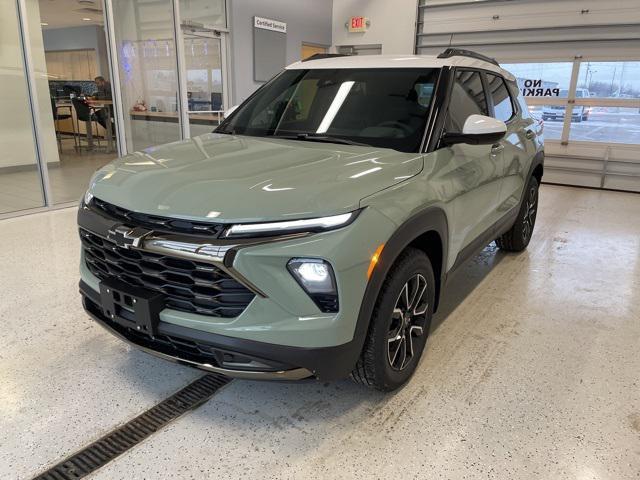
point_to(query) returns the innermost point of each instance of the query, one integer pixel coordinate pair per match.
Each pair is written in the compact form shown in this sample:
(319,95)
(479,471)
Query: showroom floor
(21,190)
(532,371)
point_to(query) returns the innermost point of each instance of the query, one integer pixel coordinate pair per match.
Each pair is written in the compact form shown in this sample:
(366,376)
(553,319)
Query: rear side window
(467,98)
(502,105)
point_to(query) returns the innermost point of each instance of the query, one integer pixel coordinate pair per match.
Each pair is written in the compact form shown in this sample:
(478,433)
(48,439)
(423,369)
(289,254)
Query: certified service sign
(268,24)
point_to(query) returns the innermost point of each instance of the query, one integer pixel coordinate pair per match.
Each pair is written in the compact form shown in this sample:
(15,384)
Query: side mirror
(230,110)
(477,130)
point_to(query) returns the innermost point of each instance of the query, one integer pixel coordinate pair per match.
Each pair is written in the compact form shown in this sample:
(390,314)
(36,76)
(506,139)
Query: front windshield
(379,107)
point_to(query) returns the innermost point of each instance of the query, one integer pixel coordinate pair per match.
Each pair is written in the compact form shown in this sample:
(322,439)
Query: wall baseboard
(25,168)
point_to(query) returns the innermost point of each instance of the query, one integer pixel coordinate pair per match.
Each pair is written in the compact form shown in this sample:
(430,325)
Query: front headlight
(316,277)
(86,198)
(291,226)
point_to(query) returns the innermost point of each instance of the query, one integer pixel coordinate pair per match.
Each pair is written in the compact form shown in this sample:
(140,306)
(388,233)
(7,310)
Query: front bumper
(229,356)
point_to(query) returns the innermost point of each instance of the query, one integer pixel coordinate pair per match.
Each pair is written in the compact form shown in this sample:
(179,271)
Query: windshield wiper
(311,137)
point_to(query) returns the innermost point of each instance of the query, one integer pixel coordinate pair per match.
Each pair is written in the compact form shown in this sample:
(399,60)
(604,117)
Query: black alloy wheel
(408,321)
(530,211)
(519,235)
(399,324)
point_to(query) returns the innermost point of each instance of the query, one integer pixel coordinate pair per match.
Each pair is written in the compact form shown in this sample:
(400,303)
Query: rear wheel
(519,236)
(399,324)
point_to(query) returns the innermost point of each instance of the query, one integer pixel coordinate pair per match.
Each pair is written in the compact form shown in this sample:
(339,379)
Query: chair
(65,116)
(83,114)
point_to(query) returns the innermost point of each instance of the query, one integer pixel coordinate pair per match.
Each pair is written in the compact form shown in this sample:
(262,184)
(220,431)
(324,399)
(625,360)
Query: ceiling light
(86,19)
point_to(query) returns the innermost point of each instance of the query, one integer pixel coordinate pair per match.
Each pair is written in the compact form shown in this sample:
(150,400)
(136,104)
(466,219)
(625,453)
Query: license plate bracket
(132,307)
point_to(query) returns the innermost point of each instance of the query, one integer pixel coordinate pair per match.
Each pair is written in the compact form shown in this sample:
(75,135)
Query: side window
(502,105)
(467,98)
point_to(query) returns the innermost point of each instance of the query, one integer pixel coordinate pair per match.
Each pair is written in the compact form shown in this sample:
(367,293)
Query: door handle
(497,148)
(530,134)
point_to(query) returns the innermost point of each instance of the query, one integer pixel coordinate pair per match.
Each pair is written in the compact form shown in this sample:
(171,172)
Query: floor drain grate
(123,438)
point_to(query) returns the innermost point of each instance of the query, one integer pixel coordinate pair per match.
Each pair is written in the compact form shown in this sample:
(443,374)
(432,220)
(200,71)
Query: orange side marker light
(374,259)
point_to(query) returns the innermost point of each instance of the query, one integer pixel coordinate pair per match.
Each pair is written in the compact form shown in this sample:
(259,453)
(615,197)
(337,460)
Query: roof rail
(460,52)
(320,56)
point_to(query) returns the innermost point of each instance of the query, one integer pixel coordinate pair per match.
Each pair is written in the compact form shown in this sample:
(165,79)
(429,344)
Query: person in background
(102,93)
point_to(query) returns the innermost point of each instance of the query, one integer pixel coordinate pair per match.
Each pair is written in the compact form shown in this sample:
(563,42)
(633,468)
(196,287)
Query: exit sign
(358,24)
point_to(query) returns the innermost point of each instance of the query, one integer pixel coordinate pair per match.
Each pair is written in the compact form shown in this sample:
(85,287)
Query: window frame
(514,109)
(483,82)
(452,71)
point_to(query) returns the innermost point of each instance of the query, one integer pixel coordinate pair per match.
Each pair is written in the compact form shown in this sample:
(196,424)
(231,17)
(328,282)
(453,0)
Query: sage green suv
(312,234)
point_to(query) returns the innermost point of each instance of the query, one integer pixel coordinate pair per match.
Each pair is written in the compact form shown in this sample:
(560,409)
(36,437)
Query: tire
(519,236)
(399,324)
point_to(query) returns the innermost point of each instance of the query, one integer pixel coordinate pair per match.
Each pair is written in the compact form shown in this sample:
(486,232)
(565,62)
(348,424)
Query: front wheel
(399,324)
(519,236)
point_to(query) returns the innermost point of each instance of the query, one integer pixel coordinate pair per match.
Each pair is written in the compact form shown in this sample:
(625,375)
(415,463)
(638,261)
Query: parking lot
(600,127)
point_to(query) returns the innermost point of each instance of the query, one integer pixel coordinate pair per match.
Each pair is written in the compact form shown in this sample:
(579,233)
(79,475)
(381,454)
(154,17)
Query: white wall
(79,38)
(308,21)
(392,24)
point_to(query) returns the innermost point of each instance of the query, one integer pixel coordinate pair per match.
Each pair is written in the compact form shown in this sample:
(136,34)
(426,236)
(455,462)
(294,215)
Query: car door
(473,172)
(518,144)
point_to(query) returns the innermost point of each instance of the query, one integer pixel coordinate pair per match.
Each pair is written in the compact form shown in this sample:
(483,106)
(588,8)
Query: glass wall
(606,119)
(546,80)
(20,184)
(70,64)
(149,68)
(147,64)
(605,98)
(203,13)
(610,79)
(168,58)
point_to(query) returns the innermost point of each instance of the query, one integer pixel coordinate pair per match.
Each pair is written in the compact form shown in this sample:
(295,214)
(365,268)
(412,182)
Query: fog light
(316,277)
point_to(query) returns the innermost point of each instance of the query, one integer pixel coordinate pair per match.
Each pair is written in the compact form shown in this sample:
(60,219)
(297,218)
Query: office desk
(101,105)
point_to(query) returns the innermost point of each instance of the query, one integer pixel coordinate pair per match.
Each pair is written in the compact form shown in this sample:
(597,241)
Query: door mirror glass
(477,130)
(229,111)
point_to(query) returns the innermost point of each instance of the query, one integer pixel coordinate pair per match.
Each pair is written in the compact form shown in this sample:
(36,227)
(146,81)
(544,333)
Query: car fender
(430,219)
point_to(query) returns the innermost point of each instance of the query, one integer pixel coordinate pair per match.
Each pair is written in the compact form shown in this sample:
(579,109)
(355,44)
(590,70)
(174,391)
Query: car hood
(240,178)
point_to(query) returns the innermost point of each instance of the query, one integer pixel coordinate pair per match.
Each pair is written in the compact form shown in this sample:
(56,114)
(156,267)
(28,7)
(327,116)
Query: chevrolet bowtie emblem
(127,237)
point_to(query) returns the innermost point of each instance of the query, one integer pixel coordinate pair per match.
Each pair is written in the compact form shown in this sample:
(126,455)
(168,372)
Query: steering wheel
(396,124)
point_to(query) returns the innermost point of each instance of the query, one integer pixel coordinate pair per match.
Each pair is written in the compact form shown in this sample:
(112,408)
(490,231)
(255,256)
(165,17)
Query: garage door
(577,63)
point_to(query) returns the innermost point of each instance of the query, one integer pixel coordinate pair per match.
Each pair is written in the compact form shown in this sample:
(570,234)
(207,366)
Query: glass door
(204,78)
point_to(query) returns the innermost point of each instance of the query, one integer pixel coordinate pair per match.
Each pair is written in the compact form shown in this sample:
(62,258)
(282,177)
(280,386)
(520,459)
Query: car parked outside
(579,113)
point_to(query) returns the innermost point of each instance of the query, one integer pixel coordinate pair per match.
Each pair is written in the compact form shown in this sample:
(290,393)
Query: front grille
(188,286)
(156,222)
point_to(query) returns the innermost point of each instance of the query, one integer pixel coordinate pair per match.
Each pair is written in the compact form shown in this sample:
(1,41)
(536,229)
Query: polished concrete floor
(532,371)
